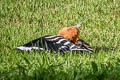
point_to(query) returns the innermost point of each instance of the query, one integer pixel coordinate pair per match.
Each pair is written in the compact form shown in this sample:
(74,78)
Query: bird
(67,40)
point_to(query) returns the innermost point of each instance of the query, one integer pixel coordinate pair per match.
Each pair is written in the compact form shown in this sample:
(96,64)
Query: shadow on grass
(103,48)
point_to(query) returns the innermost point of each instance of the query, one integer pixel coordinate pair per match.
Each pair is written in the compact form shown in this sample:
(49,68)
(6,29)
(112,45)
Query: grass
(24,20)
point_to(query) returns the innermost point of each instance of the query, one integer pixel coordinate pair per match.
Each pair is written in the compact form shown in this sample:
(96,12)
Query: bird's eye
(74,36)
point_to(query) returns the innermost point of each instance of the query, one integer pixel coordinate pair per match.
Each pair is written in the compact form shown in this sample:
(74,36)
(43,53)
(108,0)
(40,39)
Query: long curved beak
(78,25)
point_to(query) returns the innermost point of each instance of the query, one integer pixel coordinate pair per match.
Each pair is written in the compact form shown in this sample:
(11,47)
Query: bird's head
(70,33)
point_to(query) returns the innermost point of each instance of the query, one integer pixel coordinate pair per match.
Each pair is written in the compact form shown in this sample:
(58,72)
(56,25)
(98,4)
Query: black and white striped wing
(49,43)
(54,44)
(83,47)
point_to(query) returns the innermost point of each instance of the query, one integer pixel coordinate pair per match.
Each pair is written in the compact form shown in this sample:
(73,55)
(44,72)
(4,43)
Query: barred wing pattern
(55,44)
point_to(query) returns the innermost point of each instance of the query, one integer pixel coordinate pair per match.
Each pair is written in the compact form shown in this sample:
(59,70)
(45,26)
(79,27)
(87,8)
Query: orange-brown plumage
(70,33)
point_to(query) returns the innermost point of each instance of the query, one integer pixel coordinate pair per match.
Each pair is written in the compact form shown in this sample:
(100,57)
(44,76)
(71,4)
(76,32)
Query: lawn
(24,20)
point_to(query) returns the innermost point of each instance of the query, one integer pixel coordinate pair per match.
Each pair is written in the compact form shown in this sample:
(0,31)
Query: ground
(24,20)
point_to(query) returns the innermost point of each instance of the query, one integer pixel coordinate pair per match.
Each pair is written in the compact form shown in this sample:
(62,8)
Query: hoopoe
(67,40)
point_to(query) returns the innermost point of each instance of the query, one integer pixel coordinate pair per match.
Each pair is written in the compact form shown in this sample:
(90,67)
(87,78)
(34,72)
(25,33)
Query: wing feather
(55,44)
